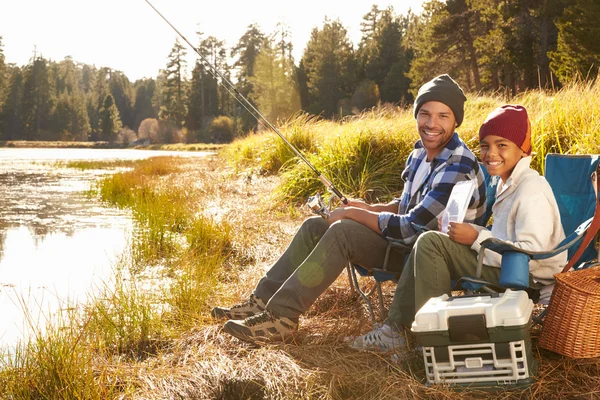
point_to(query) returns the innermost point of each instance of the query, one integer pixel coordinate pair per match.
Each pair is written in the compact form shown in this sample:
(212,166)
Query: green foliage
(3,78)
(38,100)
(221,130)
(11,126)
(56,362)
(364,155)
(143,107)
(329,65)
(268,153)
(71,117)
(275,91)
(122,321)
(578,53)
(109,123)
(380,49)
(366,95)
(487,46)
(122,91)
(173,89)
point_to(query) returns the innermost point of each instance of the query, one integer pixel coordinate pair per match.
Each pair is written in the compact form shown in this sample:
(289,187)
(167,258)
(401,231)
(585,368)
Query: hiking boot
(248,308)
(262,327)
(380,339)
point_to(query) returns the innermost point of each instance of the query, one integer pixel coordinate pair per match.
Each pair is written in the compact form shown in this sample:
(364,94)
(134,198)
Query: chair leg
(354,282)
(350,269)
(380,296)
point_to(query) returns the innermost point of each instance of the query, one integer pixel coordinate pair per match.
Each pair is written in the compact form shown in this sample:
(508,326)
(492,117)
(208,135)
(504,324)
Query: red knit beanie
(510,122)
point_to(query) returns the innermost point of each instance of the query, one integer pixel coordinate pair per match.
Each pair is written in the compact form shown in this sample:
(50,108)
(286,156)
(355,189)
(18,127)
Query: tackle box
(477,340)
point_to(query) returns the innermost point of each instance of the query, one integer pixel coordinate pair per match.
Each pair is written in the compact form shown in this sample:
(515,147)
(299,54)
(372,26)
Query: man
(357,232)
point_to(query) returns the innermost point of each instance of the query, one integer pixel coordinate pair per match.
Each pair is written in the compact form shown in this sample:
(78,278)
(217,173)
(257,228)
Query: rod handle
(332,188)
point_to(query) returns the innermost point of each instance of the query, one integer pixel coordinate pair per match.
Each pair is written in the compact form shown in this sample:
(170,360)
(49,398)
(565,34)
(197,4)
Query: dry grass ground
(204,363)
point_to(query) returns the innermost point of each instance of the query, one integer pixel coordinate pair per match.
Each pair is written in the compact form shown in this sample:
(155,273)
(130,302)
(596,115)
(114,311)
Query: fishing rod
(315,202)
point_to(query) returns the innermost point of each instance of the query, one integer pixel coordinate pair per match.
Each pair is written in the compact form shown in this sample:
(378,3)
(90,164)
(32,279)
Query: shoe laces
(375,336)
(260,318)
(248,303)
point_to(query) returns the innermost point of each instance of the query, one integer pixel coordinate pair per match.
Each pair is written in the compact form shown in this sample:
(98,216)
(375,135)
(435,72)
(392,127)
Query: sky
(128,35)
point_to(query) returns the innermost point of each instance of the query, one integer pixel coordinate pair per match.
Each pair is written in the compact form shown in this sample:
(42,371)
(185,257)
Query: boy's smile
(500,155)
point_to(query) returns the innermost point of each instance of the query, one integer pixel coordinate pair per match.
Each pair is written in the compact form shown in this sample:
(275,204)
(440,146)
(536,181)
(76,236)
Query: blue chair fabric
(576,195)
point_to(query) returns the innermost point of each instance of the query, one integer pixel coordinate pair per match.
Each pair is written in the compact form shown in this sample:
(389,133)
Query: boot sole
(260,340)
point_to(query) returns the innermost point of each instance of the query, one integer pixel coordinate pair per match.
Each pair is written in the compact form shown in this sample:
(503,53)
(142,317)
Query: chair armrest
(500,246)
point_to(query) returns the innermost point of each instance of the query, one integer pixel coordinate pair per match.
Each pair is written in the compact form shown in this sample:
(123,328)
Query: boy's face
(500,155)
(436,124)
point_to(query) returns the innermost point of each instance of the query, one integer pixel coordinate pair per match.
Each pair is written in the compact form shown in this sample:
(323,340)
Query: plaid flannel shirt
(455,163)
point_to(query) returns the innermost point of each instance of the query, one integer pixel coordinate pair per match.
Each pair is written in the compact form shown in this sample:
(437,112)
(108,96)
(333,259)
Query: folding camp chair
(379,275)
(579,207)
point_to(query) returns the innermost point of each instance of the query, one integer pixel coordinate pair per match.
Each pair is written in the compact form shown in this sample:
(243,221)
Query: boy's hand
(462,233)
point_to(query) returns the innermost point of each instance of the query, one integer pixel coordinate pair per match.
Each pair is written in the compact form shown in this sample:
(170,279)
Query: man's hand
(358,203)
(338,214)
(462,233)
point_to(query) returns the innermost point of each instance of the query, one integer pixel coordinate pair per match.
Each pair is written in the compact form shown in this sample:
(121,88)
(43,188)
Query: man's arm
(392,206)
(431,207)
(367,218)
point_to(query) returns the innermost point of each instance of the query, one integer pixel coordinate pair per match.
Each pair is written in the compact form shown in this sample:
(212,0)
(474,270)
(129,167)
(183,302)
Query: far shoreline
(21,144)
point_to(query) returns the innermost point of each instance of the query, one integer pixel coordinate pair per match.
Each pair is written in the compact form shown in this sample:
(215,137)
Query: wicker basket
(572,324)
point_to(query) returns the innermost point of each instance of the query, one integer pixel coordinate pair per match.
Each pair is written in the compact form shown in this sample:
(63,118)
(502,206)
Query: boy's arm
(534,223)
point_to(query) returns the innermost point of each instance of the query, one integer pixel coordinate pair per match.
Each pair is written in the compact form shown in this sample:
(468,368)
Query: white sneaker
(380,339)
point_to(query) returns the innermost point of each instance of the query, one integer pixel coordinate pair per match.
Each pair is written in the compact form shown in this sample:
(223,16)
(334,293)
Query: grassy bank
(209,228)
(364,155)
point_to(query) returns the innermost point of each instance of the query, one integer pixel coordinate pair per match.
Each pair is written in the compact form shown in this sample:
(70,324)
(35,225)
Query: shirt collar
(446,152)
(515,177)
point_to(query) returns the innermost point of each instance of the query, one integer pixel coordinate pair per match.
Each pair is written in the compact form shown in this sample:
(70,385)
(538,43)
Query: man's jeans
(314,259)
(434,262)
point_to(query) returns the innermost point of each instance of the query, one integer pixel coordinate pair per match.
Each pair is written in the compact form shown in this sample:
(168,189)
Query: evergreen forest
(506,47)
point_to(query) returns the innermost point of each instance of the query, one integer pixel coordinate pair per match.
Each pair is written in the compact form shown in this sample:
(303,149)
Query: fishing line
(260,118)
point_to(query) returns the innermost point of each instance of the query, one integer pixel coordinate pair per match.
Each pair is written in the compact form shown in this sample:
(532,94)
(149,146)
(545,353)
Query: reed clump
(364,155)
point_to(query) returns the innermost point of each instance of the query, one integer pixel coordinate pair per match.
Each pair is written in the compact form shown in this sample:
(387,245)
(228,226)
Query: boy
(525,214)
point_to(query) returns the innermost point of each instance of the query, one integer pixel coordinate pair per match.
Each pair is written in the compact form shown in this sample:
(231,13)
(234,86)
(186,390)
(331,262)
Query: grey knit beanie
(445,90)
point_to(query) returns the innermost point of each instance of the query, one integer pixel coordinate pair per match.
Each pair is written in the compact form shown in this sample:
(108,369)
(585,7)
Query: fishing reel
(317,205)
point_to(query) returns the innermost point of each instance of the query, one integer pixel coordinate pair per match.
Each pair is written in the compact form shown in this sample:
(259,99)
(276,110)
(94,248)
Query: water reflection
(56,244)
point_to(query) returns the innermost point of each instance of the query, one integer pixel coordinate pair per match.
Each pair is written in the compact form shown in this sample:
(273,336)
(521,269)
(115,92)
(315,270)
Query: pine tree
(382,53)
(174,89)
(94,101)
(109,122)
(275,90)
(3,75)
(246,50)
(122,91)
(143,107)
(443,39)
(10,115)
(329,65)
(38,99)
(70,116)
(578,53)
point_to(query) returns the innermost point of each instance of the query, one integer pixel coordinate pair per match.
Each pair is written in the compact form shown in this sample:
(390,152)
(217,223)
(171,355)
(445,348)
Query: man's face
(436,124)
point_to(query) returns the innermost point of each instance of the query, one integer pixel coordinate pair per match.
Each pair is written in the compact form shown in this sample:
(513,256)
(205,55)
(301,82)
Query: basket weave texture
(572,324)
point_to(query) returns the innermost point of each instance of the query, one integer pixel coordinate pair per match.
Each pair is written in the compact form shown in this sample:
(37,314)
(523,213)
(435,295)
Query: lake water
(57,246)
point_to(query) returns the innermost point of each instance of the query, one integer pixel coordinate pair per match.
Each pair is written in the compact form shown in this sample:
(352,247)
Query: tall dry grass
(364,155)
